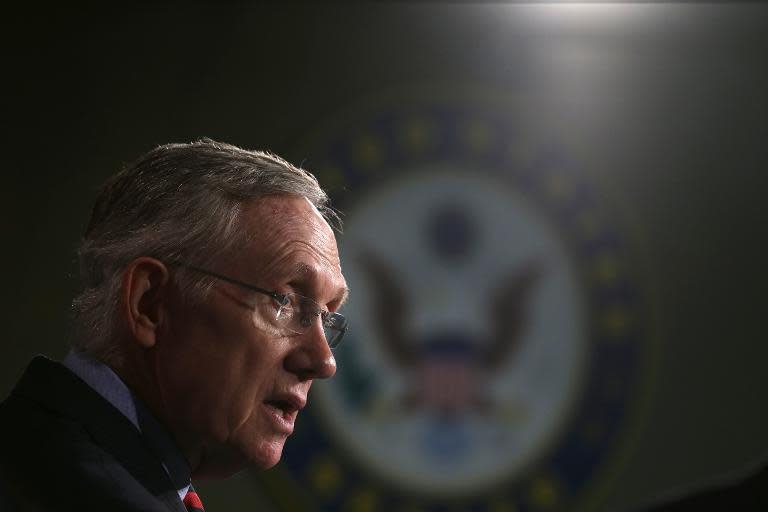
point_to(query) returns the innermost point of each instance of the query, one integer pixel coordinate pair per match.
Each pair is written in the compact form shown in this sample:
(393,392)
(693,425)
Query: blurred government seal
(495,353)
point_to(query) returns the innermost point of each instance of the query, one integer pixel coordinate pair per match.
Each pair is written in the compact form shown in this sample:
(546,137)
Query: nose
(311,358)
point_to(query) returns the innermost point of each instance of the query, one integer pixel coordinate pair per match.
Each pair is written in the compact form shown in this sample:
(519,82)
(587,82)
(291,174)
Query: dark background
(667,105)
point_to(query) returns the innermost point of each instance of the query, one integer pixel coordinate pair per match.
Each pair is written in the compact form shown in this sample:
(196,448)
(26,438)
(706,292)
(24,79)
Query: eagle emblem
(491,358)
(448,371)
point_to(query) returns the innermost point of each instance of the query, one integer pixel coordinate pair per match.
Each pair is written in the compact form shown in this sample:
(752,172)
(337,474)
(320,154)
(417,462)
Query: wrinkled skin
(210,369)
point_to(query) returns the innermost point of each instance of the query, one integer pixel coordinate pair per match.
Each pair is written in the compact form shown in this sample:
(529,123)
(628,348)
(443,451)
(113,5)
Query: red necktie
(192,502)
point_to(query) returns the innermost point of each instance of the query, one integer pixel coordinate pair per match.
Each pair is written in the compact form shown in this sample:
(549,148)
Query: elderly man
(211,281)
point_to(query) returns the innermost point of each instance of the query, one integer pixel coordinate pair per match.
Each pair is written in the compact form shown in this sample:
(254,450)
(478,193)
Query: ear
(144,290)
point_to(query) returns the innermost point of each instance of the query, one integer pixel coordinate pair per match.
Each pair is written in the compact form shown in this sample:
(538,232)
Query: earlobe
(144,288)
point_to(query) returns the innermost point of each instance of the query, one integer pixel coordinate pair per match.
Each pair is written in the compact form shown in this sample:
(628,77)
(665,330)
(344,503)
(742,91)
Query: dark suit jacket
(63,447)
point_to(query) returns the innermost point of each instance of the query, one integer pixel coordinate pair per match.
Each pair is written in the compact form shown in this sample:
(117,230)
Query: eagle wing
(509,311)
(388,309)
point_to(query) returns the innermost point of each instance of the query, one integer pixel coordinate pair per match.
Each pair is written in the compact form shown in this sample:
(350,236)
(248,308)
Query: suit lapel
(56,388)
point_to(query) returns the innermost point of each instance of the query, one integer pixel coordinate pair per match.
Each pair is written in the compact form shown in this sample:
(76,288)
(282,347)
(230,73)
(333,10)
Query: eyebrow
(344,296)
(306,272)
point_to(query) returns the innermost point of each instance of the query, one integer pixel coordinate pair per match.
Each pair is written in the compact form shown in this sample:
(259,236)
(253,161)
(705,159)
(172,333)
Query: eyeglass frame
(280,298)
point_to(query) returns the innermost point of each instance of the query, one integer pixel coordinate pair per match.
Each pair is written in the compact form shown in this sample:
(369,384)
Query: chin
(227,460)
(267,454)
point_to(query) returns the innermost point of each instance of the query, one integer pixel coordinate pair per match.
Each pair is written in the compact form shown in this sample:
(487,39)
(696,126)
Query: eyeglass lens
(297,312)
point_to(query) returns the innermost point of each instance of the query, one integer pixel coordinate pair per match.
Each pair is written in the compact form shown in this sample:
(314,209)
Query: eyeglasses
(295,312)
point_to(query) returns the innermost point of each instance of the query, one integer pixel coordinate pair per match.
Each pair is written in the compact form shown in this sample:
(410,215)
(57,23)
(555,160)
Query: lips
(283,409)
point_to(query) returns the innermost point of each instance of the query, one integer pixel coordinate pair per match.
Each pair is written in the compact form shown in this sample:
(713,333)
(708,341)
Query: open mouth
(283,407)
(286,408)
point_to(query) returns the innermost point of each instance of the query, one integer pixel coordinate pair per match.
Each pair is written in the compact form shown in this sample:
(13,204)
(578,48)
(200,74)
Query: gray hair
(178,202)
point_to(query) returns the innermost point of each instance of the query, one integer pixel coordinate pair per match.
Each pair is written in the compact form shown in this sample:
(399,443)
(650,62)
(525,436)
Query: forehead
(287,237)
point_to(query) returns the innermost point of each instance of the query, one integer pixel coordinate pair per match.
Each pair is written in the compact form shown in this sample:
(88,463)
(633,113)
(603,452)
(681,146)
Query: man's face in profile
(230,385)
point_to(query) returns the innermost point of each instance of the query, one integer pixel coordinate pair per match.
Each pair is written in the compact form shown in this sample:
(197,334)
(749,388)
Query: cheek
(206,379)
(218,367)
(203,402)
(253,434)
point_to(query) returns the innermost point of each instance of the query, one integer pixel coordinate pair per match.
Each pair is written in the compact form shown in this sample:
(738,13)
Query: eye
(282,305)
(327,318)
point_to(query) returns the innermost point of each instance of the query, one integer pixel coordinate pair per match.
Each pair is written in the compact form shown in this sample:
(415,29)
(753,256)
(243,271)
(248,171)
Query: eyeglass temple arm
(277,296)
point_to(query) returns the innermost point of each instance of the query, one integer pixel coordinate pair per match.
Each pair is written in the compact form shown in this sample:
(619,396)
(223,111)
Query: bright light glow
(590,14)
